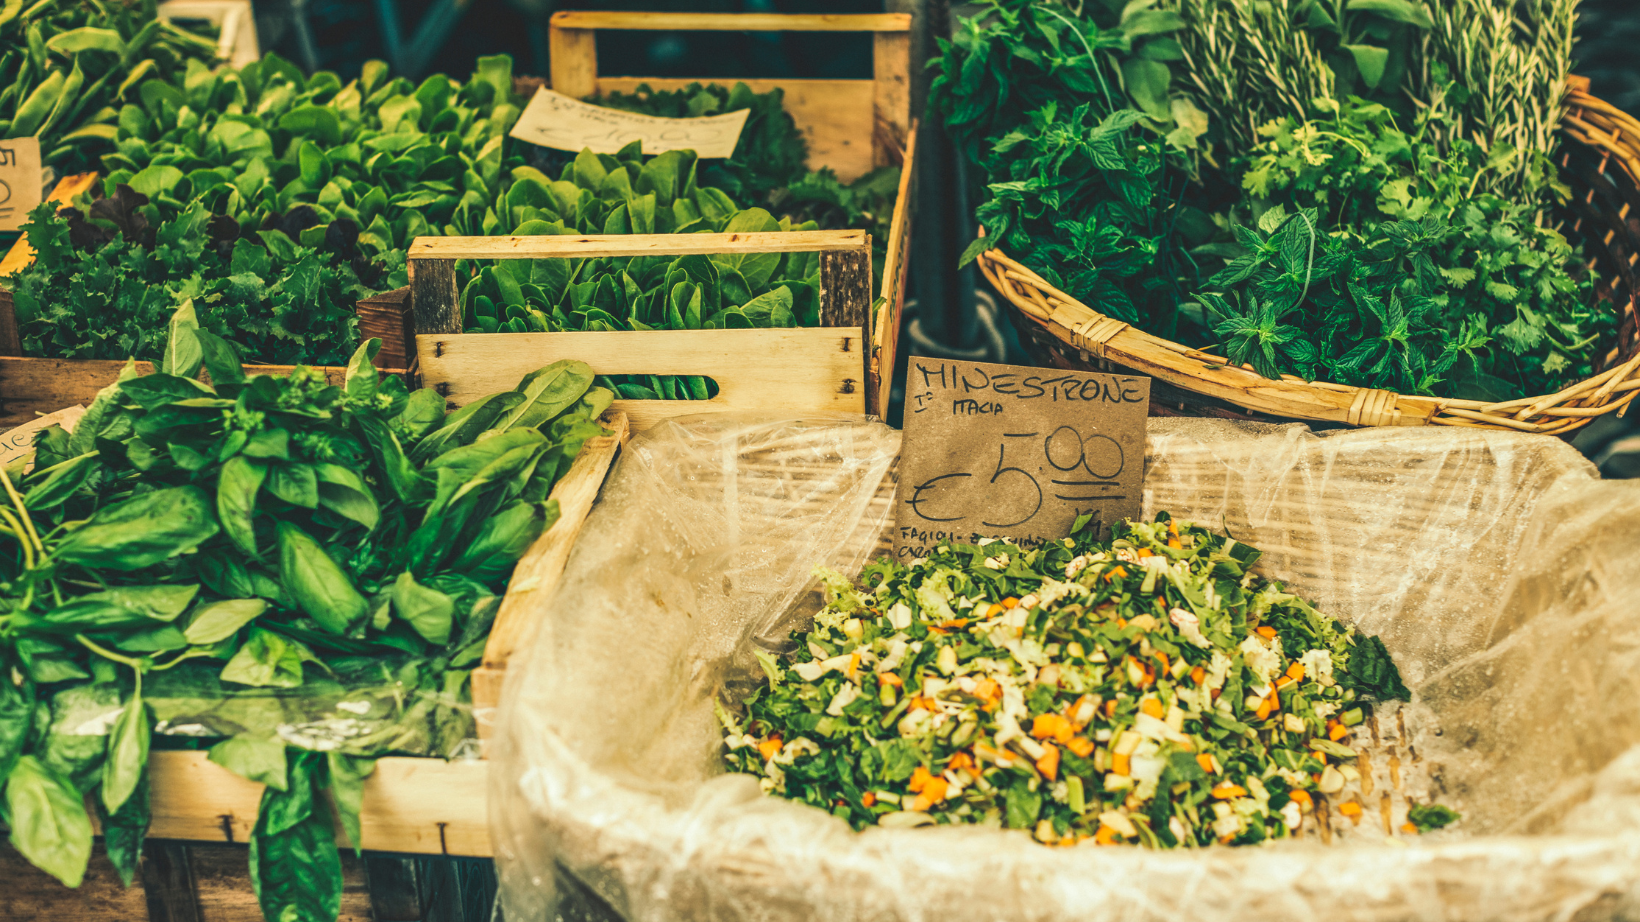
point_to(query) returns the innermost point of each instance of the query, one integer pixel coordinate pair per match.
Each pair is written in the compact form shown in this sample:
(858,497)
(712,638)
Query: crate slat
(732,22)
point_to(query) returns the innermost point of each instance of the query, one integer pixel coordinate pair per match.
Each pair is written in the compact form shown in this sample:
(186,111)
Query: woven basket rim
(1588,120)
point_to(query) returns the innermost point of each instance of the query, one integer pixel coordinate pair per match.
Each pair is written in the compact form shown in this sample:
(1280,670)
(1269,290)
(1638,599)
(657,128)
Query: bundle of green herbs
(1149,689)
(65,67)
(1355,191)
(270,528)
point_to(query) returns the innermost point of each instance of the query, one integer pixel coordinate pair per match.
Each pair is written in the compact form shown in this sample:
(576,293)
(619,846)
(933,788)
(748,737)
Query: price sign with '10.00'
(1007,451)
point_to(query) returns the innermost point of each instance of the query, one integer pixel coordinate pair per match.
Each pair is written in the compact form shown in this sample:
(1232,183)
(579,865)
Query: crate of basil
(856,178)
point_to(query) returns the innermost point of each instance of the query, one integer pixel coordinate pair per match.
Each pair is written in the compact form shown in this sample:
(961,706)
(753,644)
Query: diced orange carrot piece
(1080,745)
(1266,631)
(1303,797)
(1175,544)
(1116,572)
(935,788)
(1198,675)
(960,760)
(1110,708)
(1409,828)
(1153,707)
(868,799)
(1320,756)
(1050,725)
(1296,672)
(1226,790)
(919,779)
(1350,809)
(1266,706)
(995,609)
(1162,658)
(1207,762)
(1145,552)
(1338,732)
(889,678)
(1048,765)
(1074,708)
(1105,835)
(1010,602)
(770,746)
(1118,763)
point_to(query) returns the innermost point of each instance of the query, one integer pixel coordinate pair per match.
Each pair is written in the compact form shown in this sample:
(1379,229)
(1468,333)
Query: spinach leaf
(49,825)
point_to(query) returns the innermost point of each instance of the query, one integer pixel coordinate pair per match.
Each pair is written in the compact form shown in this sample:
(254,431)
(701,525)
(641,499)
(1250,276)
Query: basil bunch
(265,525)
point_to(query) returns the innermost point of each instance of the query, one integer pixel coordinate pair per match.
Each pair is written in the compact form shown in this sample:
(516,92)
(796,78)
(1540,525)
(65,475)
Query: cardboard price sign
(565,123)
(994,451)
(20,181)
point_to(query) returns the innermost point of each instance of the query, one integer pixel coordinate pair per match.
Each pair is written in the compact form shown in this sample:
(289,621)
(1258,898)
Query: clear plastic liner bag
(1503,576)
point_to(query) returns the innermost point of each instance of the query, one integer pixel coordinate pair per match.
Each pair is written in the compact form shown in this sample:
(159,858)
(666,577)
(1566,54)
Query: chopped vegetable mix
(1146,690)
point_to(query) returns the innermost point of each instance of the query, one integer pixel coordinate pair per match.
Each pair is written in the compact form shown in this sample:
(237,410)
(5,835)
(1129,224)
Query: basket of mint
(1375,213)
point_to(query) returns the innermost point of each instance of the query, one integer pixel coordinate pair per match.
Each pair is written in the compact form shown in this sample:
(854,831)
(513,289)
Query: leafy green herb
(1429,817)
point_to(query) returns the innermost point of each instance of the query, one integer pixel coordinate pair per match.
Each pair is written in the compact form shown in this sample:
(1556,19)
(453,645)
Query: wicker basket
(1604,171)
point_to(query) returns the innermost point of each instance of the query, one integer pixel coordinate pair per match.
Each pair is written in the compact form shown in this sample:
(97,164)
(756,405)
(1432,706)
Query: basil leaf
(217,621)
(427,610)
(548,392)
(267,660)
(60,481)
(296,869)
(17,702)
(347,774)
(237,484)
(504,538)
(318,586)
(142,531)
(124,829)
(127,759)
(49,825)
(183,353)
(295,483)
(346,494)
(253,758)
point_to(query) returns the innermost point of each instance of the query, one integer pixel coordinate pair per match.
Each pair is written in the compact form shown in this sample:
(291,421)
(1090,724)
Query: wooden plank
(433,299)
(32,895)
(885,343)
(21,254)
(11,342)
(222,882)
(168,878)
(29,386)
(733,22)
(845,301)
(424,250)
(417,806)
(537,574)
(891,97)
(835,116)
(387,317)
(794,370)
(573,57)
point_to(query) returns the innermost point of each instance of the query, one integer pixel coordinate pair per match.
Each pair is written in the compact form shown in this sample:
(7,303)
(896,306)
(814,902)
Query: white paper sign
(17,442)
(20,181)
(563,122)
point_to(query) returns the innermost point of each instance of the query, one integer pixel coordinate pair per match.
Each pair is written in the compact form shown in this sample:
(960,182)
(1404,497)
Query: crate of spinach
(267,535)
(1344,212)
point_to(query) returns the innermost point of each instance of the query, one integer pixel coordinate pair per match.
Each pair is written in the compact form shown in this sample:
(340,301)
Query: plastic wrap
(1502,574)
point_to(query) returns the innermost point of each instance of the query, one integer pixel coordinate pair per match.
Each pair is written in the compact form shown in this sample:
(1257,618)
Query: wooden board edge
(423,806)
(731,22)
(537,573)
(591,246)
(896,268)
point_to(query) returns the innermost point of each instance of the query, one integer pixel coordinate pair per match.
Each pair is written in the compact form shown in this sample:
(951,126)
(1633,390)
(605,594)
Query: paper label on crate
(993,451)
(19,441)
(20,181)
(563,122)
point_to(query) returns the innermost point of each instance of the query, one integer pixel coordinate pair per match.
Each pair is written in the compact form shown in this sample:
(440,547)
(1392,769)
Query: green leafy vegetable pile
(1353,192)
(1146,690)
(268,527)
(65,68)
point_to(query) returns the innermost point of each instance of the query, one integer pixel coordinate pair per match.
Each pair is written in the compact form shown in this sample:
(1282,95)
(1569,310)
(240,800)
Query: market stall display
(1501,636)
(1366,241)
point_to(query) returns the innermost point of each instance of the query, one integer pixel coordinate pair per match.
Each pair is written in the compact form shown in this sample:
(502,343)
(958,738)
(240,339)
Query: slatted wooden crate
(821,368)
(851,126)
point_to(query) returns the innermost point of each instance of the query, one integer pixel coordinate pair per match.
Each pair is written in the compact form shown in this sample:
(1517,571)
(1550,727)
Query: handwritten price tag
(1007,451)
(20,181)
(565,123)
(18,442)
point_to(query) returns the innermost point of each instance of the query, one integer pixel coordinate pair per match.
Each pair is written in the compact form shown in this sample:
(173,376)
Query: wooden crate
(823,368)
(852,126)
